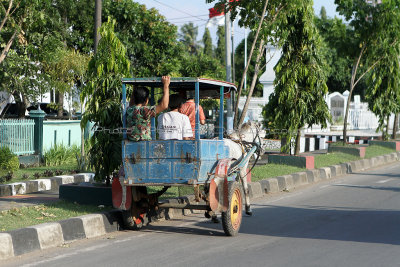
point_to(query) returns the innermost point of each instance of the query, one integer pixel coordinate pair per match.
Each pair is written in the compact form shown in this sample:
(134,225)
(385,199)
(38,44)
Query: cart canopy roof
(208,88)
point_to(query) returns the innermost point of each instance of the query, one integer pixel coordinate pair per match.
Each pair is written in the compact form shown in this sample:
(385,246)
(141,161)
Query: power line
(174,8)
(188,17)
(188,21)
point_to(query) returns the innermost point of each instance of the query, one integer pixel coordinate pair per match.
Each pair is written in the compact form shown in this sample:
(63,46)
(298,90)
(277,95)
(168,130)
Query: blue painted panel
(159,150)
(181,148)
(171,161)
(161,169)
(185,171)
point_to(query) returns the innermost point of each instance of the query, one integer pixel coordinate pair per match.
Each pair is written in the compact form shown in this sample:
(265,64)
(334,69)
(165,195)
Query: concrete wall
(60,132)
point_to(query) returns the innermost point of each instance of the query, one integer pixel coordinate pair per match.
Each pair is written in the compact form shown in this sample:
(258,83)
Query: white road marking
(384,181)
(324,186)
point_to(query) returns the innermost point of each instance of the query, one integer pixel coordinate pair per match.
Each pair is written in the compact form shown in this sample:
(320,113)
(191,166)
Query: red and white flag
(216,18)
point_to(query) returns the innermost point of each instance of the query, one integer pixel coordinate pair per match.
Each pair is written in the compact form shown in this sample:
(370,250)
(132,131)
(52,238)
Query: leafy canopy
(103,96)
(300,83)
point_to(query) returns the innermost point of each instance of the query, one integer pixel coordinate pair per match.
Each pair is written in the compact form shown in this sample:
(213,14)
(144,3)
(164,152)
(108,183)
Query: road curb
(47,235)
(53,234)
(52,183)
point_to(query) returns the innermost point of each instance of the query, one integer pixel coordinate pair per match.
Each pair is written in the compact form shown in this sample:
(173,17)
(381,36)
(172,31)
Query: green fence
(17,134)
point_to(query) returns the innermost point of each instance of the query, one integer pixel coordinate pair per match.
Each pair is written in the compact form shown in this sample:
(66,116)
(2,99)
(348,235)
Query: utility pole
(97,23)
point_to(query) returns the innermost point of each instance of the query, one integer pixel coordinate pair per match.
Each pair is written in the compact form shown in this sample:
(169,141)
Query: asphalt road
(351,221)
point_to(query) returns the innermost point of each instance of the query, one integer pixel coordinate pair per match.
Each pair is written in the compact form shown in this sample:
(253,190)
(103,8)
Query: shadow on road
(311,222)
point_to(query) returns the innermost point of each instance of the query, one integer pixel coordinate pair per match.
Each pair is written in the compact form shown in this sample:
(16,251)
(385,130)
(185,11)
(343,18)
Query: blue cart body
(167,162)
(175,162)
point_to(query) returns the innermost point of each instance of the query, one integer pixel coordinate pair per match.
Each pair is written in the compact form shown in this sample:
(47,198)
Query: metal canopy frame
(204,88)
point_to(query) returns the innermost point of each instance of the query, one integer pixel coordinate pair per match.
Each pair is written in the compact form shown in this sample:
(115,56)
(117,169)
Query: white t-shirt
(174,125)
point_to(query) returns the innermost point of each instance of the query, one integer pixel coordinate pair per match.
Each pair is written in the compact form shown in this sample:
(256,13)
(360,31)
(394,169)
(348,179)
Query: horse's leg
(243,178)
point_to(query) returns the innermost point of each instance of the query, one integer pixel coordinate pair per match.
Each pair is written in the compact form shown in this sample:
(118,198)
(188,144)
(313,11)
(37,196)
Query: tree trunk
(352,85)
(9,43)
(60,102)
(387,128)
(395,125)
(297,145)
(261,49)
(21,104)
(236,115)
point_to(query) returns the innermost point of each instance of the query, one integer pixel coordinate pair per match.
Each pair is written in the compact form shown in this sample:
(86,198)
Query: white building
(256,104)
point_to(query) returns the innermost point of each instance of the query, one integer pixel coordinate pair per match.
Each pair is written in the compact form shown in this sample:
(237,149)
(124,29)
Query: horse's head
(247,132)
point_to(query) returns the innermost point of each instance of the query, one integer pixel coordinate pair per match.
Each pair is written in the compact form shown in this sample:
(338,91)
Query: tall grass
(60,154)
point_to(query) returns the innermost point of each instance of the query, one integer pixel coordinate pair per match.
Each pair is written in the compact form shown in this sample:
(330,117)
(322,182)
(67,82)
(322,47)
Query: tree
(103,95)
(13,13)
(201,66)
(300,87)
(150,40)
(322,14)
(21,78)
(38,33)
(207,42)
(46,26)
(339,39)
(220,50)
(188,37)
(263,17)
(376,25)
(383,94)
(65,68)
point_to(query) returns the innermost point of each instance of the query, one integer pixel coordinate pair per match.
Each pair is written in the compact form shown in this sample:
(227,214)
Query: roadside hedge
(8,160)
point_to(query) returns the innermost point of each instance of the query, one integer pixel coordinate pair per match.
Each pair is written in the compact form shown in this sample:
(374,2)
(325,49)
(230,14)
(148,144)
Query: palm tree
(188,37)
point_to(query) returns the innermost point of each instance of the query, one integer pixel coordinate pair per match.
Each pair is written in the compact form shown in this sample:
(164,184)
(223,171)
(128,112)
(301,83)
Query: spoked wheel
(136,217)
(232,218)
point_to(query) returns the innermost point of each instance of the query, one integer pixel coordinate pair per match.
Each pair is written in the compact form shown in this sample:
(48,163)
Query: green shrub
(59,155)
(8,160)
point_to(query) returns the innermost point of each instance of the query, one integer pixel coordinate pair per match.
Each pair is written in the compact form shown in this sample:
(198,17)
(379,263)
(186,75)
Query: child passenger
(138,115)
(172,124)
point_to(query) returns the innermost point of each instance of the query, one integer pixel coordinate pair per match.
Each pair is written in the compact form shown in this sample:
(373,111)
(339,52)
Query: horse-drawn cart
(216,168)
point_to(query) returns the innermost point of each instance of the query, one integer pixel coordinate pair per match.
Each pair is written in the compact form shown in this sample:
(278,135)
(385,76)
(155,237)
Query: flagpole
(229,117)
(228,47)
(245,56)
(233,53)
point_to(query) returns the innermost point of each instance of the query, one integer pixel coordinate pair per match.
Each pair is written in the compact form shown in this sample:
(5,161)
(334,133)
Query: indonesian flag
(215,18)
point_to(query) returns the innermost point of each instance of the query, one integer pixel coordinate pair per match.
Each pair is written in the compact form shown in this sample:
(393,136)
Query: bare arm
(202,117)
(165,99)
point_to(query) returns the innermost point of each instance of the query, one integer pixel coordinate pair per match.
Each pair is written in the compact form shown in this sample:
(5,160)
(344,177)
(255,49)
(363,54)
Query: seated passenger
(138,114)
(172,124)
(189,109)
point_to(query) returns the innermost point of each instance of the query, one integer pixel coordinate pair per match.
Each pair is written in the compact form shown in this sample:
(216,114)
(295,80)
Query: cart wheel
(133,218)
(232,218)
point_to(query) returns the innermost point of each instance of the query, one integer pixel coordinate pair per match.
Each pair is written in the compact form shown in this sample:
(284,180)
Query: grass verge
(272,170)
(32,215)
(324,160)
(29,173)
(374,151)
